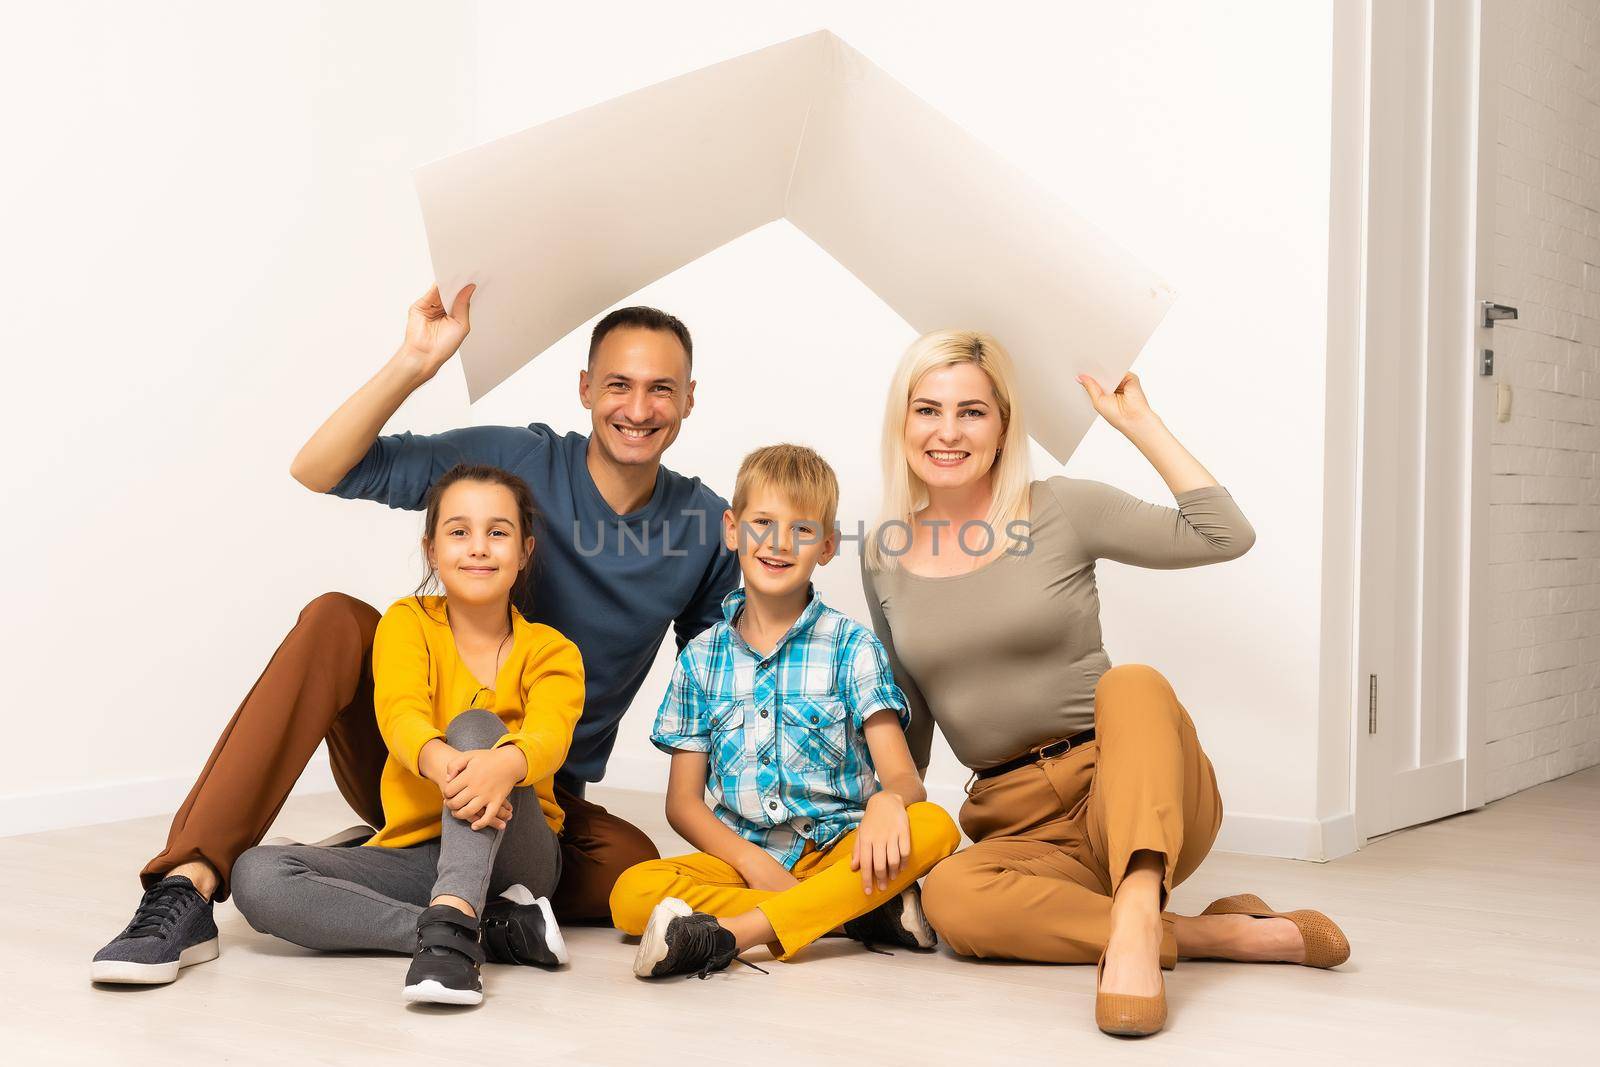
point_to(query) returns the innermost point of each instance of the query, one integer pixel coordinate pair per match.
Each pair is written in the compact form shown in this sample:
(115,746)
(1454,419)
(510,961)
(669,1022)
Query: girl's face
(953,426)
(477,547)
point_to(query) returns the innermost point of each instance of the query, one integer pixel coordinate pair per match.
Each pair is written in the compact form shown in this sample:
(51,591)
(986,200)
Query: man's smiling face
(638,393)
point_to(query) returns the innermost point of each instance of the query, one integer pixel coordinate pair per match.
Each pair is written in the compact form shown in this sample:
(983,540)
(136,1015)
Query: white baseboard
(31,813)
(1300,839)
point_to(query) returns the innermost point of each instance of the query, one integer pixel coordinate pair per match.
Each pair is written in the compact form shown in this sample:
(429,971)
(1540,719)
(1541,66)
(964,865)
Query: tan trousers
(1054,838)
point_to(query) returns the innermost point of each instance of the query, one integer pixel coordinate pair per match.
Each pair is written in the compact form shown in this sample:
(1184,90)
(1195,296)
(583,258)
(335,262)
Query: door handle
(1493,312)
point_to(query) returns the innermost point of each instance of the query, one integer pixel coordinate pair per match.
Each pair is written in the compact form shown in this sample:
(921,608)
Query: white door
(1423,463)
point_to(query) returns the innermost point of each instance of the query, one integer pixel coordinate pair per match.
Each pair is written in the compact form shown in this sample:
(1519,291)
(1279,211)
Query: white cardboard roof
(566,219)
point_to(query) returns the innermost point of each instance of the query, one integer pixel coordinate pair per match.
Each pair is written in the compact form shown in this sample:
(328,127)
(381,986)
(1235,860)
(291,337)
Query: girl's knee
(474,728)
(255,883)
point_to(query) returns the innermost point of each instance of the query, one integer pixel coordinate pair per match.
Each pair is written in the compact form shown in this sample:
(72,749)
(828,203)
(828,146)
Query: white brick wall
(1543,673)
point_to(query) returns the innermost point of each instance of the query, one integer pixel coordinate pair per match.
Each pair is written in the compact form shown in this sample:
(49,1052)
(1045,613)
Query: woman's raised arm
(1127,409)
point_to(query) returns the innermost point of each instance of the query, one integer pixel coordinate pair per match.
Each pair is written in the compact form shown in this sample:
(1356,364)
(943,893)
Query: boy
(787,714)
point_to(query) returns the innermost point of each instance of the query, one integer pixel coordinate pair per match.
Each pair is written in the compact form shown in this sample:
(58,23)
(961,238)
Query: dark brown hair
(643,318)
(527,521)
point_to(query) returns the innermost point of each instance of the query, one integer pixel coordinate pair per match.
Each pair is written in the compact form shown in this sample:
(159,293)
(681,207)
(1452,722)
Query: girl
(477,706)
(1091,796)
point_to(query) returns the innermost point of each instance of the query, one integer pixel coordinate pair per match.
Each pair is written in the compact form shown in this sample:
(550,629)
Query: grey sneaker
(171,929)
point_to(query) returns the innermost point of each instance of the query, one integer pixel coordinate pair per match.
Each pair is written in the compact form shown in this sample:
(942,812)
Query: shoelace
(706,970)
(701,940)
(159,909)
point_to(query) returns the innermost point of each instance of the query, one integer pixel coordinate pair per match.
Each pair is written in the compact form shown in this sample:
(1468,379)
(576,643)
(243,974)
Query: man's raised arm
(432,337)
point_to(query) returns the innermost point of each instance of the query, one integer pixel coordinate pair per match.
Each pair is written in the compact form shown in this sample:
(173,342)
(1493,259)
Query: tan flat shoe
(1326,945)
(1126,1015)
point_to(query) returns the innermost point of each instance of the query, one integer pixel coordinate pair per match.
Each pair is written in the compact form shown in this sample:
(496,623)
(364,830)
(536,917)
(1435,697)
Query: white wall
(281,236)
(1195,134)
(1543,668)
(210,236)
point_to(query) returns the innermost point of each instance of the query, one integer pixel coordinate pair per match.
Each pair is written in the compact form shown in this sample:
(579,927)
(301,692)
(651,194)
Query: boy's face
(778,545)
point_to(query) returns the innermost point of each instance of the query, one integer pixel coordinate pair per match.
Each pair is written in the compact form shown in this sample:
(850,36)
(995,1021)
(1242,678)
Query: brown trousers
(1054,838)
(318,686)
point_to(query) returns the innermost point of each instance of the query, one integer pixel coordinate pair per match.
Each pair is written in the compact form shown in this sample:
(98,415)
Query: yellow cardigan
(420,683)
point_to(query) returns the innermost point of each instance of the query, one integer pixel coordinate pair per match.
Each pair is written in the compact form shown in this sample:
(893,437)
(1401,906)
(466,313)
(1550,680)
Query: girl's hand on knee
(479,783)
(434,761)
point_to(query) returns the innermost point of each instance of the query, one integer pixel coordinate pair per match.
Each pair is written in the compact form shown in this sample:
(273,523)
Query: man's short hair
(646,319)
(795,471)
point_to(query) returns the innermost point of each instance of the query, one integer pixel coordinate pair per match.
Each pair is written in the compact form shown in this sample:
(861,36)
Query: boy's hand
(767,874)
(478,782)
(883,841)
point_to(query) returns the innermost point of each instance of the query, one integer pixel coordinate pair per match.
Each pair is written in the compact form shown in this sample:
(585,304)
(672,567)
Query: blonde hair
(904,494)
(795,471)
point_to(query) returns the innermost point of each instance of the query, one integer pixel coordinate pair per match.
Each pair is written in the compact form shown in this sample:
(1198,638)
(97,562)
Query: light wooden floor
(1475,940)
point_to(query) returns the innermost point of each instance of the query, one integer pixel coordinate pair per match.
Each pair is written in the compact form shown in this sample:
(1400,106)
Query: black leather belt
(1050,751)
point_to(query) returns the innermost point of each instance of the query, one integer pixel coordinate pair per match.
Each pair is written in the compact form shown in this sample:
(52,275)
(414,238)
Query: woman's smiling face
(477,546)
(952,427)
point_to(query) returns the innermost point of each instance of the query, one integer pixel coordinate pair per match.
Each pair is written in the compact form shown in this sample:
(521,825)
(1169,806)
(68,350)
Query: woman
(1091,796)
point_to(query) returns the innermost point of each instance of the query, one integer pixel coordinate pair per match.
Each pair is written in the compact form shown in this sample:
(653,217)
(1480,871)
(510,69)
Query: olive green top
(1008,656)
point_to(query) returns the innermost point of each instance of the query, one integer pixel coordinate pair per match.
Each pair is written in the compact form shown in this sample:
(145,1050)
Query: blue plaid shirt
(788,758)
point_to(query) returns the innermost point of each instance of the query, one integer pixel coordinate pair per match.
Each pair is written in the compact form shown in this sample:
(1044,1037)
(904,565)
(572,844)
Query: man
(627,548)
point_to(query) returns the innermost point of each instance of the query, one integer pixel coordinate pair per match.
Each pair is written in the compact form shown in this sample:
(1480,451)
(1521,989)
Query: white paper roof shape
(563,220)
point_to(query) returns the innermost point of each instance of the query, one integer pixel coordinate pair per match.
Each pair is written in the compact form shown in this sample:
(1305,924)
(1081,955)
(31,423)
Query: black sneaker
(519,928)
(680,940)
(896,922)
(171,929)
(444,969)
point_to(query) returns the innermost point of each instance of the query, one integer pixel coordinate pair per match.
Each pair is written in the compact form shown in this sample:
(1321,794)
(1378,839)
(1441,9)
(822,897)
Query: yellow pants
(829,892)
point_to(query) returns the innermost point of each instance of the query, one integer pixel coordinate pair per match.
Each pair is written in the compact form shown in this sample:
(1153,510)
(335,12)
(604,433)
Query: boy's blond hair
(795,471)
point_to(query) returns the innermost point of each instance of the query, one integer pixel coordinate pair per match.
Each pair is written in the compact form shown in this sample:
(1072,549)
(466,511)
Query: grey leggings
(359,898)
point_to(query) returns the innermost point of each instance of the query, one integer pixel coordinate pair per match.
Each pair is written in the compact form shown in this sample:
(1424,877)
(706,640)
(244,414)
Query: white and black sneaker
(444,969)
(520,928)
(680,940)
(898,922)
(171,929)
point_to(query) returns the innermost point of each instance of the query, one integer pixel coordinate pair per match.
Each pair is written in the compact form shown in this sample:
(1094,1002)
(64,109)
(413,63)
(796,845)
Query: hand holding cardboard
(561,221)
